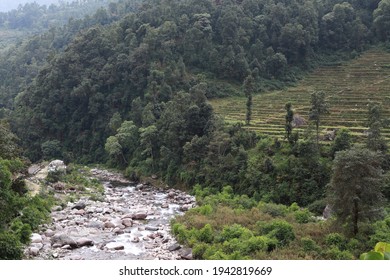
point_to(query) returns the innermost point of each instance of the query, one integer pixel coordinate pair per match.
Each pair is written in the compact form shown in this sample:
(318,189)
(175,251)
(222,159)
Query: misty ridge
(7,5)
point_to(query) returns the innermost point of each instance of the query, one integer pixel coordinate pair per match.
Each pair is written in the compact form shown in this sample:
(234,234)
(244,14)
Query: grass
(349,88)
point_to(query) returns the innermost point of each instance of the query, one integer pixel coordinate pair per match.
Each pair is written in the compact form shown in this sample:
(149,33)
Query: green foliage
(36,212)
(355,187)
(21,230)
(303,216)
(309,245)
(10,247)
(342,141)
(206,234)
(381,252)
(381,231)
(51,150)
(336,240)
(335,253)
(275,210)
(280,230)
(319,108)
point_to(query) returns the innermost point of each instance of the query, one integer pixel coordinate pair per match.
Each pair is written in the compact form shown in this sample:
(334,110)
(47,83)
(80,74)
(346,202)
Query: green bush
(335,253)
(10,247)
(317,207)
(179,231)
(234,231)
(256,243)
(381,232)
(281,230)
(309,245)
(132,173)
(205,209)
(275,210)
(336,240)
(21,230)
(303,216)
(198,250)
(206,234)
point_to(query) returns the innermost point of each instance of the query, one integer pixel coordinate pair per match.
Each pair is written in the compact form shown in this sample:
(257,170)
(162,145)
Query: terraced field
(348,87)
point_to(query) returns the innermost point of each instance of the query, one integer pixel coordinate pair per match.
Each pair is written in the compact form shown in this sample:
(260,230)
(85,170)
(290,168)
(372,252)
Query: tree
(342,141)
(355,187)
(375,140)
(318,109)
(289,119)
(249,87)
(382,20)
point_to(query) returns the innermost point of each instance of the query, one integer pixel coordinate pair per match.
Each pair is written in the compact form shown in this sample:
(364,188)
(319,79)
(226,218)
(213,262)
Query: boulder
(186,253)
(115,246)
(174,247)
(327,213)
(95,224)
(36,238)
(140,216)
(127,222)
(84,241)
(79,205)
(150,228)
(56,166)
(34,251)
(62,239)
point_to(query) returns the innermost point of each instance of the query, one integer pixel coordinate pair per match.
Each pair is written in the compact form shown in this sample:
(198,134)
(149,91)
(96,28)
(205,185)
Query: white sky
(6,5)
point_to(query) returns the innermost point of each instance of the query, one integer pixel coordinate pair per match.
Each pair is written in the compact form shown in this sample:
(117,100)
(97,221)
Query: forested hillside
(129,86)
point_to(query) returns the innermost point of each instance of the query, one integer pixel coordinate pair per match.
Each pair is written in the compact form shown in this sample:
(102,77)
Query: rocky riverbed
(131,222)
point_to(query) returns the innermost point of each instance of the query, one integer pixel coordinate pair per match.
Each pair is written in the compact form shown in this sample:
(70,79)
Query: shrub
(317,207)
(275,210)
(256,243)
(281,230)
(206,234)
(205,209)
(303,216)
(308,244)
(336,254)
(179,231)
(10,247)
(132,173)
(234,231)
(336,240)
(294,207)
(381,232)
(198,250)
(21,230)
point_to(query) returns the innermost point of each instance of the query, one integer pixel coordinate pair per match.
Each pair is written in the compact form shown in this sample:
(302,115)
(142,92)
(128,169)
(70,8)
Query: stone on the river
(34,251)
(36,238)
(62,239)
(115,246)
(151,228)
(174,247)
(79,205)
(84,241)
(140,216)
(127,222)
(95,224)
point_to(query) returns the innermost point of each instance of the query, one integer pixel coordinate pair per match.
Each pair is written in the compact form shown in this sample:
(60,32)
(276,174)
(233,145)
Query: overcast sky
(6,5)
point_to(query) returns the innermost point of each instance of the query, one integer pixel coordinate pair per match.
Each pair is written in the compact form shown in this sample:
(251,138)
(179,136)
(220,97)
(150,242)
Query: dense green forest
(129,86)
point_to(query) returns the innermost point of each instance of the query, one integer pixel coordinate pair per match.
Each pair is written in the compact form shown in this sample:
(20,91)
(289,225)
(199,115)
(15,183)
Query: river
(131,222)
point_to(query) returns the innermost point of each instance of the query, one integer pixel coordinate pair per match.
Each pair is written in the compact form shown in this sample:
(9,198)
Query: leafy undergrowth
(227,226)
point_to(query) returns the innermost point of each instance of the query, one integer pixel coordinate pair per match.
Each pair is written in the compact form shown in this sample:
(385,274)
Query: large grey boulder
(56,166)
(327,213)
(62,239)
